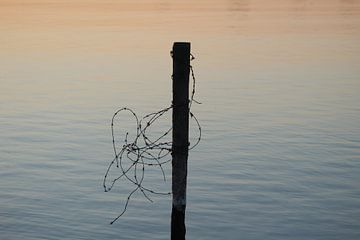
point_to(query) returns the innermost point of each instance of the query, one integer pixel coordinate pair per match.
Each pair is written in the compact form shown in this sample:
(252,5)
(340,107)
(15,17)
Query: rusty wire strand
(143,152)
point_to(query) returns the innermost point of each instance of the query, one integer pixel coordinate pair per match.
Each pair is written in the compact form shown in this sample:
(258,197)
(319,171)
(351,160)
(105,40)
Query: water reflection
(239,6)
(279,82)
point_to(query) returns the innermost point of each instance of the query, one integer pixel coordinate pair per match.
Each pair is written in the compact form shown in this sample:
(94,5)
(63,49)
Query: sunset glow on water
(279,82)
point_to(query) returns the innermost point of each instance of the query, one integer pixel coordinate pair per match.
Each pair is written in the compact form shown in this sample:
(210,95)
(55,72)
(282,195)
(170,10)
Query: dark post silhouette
(180,136)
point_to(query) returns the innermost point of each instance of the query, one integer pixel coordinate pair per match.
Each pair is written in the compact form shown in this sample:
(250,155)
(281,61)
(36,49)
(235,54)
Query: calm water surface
(280,86)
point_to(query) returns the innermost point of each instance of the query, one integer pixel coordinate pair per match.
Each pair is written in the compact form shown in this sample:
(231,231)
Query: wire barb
(135,156)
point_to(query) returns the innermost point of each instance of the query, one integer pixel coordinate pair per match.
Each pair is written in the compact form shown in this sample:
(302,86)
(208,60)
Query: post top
(181,44)
(181,50)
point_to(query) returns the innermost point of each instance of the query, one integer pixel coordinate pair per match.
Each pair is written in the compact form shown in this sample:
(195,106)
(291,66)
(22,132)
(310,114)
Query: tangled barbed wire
(133,157)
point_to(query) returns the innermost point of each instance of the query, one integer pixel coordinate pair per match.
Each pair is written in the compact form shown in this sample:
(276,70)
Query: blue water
(280,87)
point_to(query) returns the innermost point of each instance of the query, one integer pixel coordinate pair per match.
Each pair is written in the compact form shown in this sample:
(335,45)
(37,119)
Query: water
(279,82)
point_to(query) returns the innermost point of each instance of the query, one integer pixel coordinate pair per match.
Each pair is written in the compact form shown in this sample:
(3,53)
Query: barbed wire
(135,156)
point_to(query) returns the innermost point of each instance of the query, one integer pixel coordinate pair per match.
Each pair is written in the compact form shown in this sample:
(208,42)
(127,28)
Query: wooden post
(180,136)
